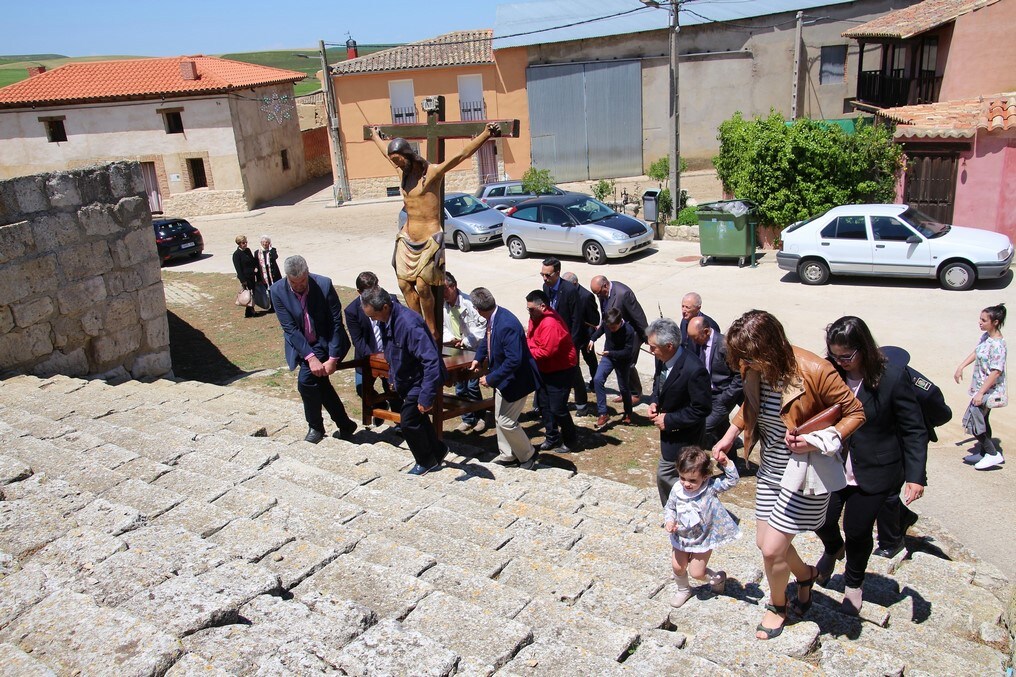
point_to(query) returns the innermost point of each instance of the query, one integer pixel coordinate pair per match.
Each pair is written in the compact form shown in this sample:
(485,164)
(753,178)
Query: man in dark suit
(564,299)
(364,332)
(620,296)
(416,369)
(309,311)
(726,384)
(511,372)
(589,310)
(691,306)
(681,400)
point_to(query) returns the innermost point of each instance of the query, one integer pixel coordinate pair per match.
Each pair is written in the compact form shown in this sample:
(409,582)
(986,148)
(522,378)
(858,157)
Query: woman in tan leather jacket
(784,386)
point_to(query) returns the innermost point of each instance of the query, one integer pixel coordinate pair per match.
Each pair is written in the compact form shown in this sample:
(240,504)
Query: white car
(892,240)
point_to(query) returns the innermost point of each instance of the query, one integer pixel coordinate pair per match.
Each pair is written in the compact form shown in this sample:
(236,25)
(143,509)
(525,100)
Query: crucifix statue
(419,257)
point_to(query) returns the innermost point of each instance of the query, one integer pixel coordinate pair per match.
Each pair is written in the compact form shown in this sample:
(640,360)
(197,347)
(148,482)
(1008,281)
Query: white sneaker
(989,461)
(464,427)
(973,458)
(480,426)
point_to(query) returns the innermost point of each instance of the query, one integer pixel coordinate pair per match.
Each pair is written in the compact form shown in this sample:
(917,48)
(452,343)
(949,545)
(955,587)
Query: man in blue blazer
(511,372)
(309,311)
(681,400)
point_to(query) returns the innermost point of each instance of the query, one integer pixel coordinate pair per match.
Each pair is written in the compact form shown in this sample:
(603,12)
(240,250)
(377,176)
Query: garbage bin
(727,231)
(649,205)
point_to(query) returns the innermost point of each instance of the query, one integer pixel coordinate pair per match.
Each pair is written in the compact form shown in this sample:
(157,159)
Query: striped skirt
(789,511)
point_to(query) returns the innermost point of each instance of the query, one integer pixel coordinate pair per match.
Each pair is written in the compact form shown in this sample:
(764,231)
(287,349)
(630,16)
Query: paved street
(939,328)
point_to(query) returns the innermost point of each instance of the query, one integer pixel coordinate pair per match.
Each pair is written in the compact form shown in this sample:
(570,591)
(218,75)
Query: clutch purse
(820,421)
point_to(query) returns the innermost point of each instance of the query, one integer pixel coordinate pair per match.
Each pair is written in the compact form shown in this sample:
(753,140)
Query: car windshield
(172,227)
(589,210)
(463,205)
(927,226)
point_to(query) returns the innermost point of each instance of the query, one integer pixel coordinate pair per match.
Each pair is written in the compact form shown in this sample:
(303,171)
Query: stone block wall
(80,279)
(317,158)
(203,202)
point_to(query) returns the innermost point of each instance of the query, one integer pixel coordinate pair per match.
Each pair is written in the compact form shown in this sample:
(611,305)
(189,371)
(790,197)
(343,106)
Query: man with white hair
(691,306)
(309,311)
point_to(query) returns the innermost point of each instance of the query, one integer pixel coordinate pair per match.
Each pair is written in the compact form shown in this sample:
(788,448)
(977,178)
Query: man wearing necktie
(725,383)
(464,329)
(310,314)
(681,400)
(691,306)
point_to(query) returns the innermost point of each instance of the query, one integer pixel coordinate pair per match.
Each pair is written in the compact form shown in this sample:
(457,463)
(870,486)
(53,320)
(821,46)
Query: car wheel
(461,241)
(516,248)
(593,253)
(813,271)
(957,276)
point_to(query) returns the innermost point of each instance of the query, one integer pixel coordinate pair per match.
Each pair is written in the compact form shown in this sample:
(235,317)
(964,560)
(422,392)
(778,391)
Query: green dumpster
(727,231)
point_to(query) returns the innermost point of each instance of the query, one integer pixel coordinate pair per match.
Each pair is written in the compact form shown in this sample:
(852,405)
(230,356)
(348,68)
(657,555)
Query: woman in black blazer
(890,449)
(246,270)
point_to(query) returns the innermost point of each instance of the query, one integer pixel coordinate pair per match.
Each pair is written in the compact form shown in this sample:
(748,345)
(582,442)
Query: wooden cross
(435,130)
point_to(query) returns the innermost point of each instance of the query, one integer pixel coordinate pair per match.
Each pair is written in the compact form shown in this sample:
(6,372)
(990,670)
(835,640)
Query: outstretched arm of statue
(470,148)
(380,140)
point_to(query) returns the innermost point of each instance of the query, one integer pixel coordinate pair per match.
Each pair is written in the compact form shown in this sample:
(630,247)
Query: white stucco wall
(124,130)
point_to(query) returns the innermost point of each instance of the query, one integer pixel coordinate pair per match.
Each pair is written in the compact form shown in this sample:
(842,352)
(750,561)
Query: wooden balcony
(890,90)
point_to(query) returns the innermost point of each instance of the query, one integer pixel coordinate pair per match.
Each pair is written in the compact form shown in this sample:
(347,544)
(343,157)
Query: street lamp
(675,115)
(340,184)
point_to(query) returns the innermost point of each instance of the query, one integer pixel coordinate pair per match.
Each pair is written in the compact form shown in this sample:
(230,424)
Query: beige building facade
(203,153)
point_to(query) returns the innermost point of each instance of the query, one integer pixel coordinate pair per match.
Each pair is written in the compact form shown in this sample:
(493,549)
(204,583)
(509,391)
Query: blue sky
(172,27)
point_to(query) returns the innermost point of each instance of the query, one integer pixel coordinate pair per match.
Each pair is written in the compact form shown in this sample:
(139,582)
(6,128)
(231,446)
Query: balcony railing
(472,110)
(402,116)
(889,91)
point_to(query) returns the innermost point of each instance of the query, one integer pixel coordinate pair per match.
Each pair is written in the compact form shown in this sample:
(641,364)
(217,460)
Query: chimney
(188,70)
(36,70)
(351,52)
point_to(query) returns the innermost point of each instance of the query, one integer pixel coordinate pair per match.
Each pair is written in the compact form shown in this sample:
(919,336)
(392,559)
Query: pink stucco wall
(986,185)
(981,53)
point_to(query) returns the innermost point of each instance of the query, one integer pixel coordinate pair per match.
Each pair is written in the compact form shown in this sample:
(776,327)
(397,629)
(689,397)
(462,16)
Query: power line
(427,43)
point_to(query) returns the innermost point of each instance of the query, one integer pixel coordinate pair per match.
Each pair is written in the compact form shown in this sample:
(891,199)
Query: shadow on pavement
(195,357)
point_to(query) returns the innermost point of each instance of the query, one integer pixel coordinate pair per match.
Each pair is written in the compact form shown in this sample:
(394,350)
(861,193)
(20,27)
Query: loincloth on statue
(415,261)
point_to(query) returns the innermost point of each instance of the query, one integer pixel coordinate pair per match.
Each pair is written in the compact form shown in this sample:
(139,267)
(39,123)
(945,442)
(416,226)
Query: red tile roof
(461,48)
(957,119)
(916,19)
(93,81)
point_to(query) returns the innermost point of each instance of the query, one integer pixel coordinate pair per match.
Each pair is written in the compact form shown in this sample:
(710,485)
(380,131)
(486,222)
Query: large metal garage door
(586,119)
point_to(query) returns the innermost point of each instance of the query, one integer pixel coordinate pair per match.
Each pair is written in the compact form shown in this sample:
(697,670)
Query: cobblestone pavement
(939,328)
(186,529)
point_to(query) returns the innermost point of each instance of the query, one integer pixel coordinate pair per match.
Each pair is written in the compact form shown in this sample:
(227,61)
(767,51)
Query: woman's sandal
(773,633)
(826,565)
(796,605)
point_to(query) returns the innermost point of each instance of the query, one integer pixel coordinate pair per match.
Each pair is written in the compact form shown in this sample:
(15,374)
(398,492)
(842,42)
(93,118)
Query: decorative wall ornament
(277,108)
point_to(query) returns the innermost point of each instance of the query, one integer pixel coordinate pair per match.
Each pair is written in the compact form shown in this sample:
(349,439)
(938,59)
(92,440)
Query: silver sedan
(468,222)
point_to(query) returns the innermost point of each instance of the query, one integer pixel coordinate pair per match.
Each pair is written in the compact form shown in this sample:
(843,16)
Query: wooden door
(931,184)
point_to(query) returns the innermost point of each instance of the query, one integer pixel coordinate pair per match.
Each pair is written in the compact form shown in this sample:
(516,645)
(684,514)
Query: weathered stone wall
(80,281)
(202,202)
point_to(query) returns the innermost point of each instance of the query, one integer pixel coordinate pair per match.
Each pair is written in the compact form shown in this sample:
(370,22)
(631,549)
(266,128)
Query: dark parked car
(504,194)
(176,238)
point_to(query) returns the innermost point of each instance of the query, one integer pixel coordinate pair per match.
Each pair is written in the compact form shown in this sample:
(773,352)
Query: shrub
(799,170)
(602,188)
(537,181)
(687,217)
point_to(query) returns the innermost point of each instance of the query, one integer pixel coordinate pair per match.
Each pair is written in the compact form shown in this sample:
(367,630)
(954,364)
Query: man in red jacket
(551,344)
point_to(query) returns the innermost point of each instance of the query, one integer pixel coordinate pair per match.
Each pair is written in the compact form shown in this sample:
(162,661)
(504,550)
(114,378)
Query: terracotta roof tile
(461,48)
(138,79)
(916,19)
(960,118)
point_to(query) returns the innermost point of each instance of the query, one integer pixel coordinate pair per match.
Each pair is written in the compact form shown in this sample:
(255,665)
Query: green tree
(537,181)
(793,171)
(660,170)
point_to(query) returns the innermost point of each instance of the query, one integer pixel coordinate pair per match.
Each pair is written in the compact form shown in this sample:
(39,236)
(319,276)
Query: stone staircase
(186,529)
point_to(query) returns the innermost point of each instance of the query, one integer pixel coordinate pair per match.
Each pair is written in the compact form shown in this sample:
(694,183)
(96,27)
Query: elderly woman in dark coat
(246,271)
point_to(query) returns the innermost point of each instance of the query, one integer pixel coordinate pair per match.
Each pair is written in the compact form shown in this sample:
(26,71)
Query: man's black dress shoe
(314,436)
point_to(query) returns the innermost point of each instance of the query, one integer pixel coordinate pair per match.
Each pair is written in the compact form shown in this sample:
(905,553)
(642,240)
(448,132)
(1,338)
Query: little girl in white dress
(696,520)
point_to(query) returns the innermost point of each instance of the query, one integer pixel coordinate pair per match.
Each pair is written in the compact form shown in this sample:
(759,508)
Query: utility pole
(674,155)
(796,85)
(675,116)
(340,183)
